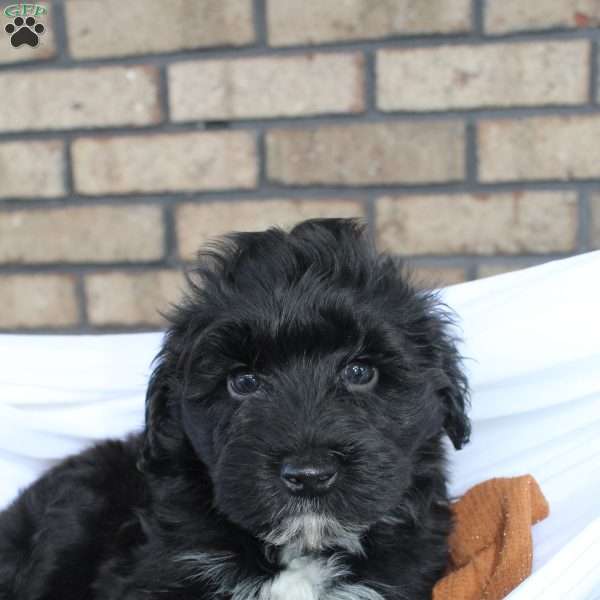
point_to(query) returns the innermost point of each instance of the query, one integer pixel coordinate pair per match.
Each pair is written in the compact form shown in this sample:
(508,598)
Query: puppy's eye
(242,384)
(360,376)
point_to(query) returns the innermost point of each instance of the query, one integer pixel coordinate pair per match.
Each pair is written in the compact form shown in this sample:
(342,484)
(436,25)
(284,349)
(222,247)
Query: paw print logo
(24,31)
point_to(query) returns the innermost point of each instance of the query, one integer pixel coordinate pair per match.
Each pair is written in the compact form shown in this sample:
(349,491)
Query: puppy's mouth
(307,531)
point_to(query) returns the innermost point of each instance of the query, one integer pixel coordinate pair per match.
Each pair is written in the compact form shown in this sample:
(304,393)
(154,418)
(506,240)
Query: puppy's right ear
(155,436)
(163,435)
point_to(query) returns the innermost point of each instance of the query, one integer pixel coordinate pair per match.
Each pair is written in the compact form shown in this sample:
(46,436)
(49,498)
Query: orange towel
(490,547)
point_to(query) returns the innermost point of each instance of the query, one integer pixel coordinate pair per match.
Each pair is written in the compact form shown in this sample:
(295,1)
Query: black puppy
(293,445)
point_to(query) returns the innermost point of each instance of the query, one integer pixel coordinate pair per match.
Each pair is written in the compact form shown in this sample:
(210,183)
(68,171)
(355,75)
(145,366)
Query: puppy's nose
(309,478)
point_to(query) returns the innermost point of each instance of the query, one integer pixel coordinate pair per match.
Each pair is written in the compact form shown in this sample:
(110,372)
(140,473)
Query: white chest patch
(310,578)
(304,578)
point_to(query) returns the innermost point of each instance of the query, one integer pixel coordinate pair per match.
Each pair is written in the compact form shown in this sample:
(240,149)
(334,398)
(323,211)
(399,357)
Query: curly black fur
(194,508)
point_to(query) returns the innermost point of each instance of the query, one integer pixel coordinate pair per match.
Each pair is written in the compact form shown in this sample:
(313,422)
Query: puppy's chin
(307,532)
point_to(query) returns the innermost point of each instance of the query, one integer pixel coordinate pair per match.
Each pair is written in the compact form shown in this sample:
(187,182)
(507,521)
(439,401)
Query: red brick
(491,270)
(297,85)
(199,223)
(46,47)
(32,169)
(503,16)
(102,28)
(316,21)
(87,234)
(165,162)
(40,300)
(539,148)
(457,77)
(529,222)
(595,221)
(437,277)
(77,98)
(132,299)
(368,153)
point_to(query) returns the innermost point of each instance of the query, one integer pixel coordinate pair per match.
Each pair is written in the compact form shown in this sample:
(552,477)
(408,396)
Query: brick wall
(467,134)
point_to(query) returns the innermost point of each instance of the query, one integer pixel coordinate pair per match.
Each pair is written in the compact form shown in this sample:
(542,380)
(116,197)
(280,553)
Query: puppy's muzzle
(312,475)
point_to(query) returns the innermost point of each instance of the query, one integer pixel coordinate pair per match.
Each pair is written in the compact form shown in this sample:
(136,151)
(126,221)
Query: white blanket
(532,342)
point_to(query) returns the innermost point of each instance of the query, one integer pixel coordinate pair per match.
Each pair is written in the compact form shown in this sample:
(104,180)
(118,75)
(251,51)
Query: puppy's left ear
(455,397)
(438,340)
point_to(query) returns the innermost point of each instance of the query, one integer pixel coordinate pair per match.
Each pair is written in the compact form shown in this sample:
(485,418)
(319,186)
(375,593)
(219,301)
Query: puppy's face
(314,384)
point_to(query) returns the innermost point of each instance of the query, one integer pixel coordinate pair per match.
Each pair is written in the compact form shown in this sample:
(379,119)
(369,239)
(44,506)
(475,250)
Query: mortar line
(310,193)
(260,23)
(228,51)
(302,122)
(59,21)
(594,83)
(478,17)
(584,220)
(81,298)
